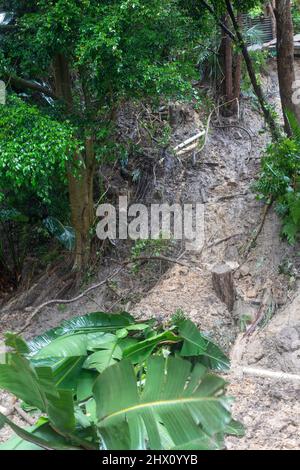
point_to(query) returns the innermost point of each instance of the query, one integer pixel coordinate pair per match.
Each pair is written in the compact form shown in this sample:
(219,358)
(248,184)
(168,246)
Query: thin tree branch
(66,301)
(220,23)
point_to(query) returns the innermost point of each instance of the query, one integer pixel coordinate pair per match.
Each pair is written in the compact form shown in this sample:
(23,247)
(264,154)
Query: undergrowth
(279,180)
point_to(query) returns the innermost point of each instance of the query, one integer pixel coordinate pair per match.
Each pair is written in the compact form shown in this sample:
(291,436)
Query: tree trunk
(81,202)
(285,60)
(222,280)
(225,54)
(80,173)
(270,11)
(228,69)
(237,74)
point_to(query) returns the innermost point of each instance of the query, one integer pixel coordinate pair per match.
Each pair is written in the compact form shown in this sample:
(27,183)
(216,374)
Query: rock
(232,183)
(244,270)
(251,293)
(237,135)
(291,362)
(233,265)
(288,339)
(193,313)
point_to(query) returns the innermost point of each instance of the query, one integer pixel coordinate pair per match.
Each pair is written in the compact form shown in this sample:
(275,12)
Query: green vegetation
(280,180)
(296,16)
(76,62)
(106,382)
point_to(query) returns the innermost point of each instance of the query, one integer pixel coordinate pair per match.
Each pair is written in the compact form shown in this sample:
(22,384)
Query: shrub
(280,180)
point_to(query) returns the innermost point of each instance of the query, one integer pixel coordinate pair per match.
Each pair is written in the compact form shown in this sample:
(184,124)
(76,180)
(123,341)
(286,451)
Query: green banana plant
(103,381)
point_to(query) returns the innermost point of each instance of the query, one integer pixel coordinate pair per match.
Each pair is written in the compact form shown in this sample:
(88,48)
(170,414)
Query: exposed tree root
(250,244)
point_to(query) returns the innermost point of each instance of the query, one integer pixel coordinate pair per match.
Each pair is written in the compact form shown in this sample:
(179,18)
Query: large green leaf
(16,342)
(196,344)
(85,384)
(19,377)
(36,386)
(110,353)
(91,323)
(65,371)
(35,438)
(64,346)
(189,404)
(12,215)
(98,321)
(64,234)
(73,374)
(235,428)
(76,344)
(140,351)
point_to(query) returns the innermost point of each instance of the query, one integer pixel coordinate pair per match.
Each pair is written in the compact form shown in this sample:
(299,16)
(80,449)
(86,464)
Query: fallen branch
(258,230)
(31,421)
(151,258)
(65,301)
(228,196)
(265,305)
(270,374)
(222,240)
(15,408)
(22,84)
(189,141)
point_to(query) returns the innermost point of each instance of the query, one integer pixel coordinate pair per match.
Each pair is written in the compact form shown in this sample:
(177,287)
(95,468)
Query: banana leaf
(189,404)
(37,437)
(91,323)
(196,344)
(140,351)
(36,386)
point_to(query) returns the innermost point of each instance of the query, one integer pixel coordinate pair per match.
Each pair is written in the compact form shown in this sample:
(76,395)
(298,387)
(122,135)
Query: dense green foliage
(280,180)
(109,42)
(114,51)
(34,150)
(106,382)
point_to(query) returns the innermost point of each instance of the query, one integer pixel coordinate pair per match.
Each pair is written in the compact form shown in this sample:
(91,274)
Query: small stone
(237,135)
(233,265)
(172,288)
(244,270)
(193,313)
(251,293)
